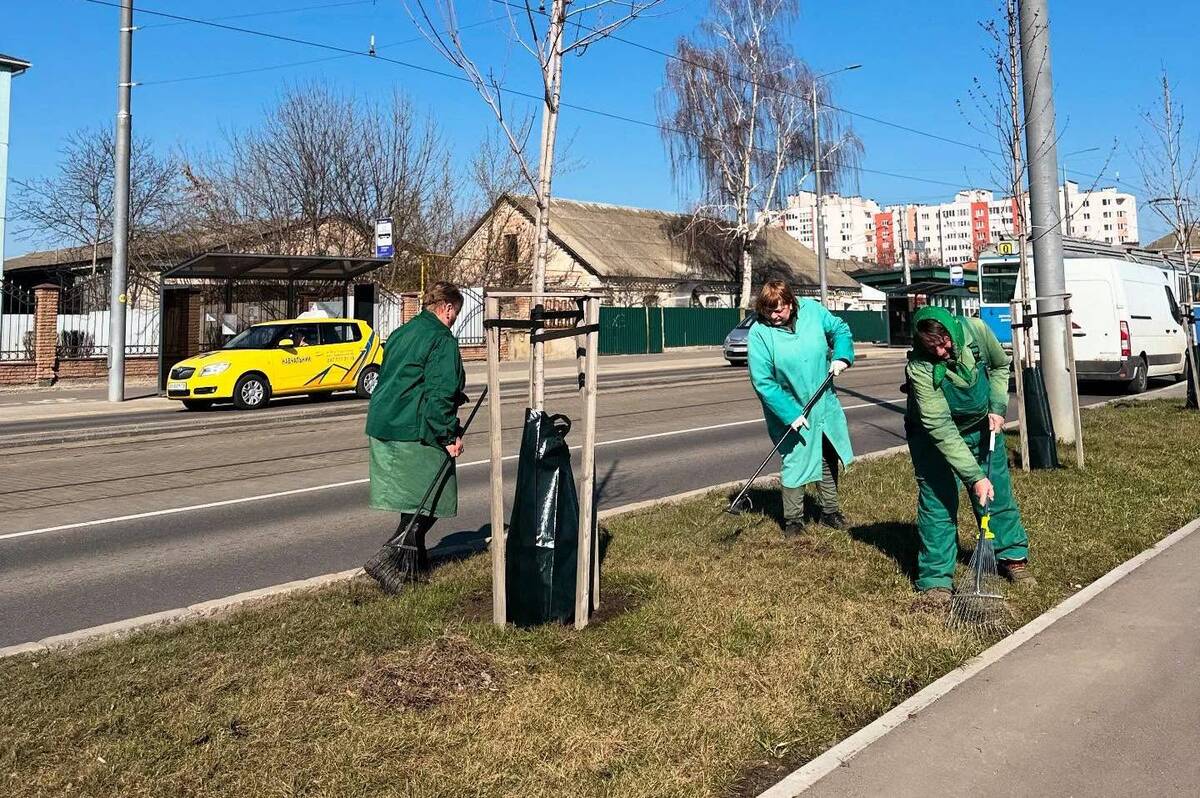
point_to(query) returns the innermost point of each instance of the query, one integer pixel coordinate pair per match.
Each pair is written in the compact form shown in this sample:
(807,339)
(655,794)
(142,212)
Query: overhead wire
(254,70)
(274,12)
(538,97)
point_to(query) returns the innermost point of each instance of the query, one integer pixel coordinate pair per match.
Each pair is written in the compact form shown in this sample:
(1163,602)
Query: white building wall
(946,229)
(849,224)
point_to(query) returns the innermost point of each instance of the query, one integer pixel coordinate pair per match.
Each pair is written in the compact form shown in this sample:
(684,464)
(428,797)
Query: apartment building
(955,232)
(850,232)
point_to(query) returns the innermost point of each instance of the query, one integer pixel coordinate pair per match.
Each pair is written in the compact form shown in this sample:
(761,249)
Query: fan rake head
(978,602)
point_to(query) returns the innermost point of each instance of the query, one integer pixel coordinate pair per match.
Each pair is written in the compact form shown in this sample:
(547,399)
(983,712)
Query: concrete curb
(108,632)
(213,608)
(808,775)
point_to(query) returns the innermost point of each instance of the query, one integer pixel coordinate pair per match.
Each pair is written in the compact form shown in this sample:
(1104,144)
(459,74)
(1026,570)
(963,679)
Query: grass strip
(717,665)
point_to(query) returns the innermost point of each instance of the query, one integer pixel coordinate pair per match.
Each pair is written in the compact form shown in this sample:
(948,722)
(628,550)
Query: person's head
(775,303)
(937,332)
(935,339)
(443,300)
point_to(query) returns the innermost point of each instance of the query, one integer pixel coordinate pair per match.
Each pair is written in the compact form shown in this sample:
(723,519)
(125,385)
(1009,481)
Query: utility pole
(118,271)
(1042,156)
(818,221)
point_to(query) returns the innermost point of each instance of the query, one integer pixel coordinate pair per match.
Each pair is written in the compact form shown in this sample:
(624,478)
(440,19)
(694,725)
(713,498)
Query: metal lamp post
(1066,199)
(818,221)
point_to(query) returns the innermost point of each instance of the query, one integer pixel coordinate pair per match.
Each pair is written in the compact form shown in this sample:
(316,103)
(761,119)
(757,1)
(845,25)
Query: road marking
(348,483)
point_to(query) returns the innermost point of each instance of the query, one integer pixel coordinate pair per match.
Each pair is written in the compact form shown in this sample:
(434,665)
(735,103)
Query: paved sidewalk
(1105,702)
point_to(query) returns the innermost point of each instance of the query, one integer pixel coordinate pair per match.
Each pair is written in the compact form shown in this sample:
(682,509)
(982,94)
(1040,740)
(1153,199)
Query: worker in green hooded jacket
(957,384)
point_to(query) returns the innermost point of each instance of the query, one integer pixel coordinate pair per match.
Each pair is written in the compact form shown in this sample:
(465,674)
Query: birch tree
(548,36)
(1169,161)
(736,113)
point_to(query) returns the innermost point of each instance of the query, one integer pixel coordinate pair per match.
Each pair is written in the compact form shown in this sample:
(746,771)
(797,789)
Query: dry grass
(728,662)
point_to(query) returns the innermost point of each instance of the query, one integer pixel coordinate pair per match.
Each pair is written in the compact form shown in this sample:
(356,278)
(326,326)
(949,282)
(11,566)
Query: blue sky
(919,59)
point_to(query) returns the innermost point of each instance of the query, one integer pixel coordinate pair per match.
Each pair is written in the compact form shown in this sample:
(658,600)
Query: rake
(402,561)
(741,502)
(978,600)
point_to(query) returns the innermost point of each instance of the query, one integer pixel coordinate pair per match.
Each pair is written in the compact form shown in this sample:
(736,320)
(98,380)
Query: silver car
(735,342)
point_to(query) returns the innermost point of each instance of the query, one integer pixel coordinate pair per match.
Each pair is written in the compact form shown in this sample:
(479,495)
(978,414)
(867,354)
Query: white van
(1125,318)
(1125,322)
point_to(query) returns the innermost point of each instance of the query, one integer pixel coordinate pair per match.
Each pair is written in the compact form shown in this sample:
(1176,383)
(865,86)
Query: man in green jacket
(957,379)
(413,427)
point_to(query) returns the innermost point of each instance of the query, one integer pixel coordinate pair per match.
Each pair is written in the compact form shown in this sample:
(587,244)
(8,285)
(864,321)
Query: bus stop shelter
(210,297)
(903,300)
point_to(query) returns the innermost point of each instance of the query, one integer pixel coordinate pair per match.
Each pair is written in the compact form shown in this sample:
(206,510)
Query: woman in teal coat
(792,348)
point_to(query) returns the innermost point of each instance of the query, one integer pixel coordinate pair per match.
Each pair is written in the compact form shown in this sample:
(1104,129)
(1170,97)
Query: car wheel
(197,404)
(368,378)
(1140,379)
(251,392)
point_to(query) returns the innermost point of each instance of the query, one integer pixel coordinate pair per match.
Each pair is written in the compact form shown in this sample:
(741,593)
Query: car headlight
(213,368)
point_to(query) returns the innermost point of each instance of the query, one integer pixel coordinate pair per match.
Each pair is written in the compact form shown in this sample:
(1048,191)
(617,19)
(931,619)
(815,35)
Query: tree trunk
(553,82)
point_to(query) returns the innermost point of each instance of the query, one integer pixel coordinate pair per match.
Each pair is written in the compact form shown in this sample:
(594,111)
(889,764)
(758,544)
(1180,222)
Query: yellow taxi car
(281,358)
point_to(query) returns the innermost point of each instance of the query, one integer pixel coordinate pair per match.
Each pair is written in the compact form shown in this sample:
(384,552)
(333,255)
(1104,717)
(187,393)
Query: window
(1175,314)
(712,302)
(340,333)
(511,255)
(650,300)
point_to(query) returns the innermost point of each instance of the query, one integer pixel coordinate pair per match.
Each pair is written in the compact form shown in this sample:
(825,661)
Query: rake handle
(824,386)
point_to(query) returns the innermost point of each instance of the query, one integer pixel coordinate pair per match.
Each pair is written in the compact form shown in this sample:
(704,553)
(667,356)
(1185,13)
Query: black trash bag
(543,536)
(1192,402)
(1043,448)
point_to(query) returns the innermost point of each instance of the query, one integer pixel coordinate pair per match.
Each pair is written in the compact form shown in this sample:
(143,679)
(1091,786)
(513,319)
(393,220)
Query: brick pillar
(412,306)
(45,336)
(195,324)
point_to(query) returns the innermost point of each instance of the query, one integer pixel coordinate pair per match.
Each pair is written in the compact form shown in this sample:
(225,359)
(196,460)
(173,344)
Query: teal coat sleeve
(837,333)
(761,357)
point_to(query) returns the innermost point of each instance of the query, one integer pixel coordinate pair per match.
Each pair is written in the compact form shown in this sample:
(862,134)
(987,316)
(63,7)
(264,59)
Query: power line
(750,81)
(538,97)
(290,64)
(294,10)
(877,120)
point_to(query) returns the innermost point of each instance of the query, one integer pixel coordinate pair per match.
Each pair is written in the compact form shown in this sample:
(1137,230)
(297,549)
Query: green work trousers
(937,507)
(827,488)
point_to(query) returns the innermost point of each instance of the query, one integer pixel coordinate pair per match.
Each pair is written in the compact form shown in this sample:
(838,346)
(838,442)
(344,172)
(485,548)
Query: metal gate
(17,329)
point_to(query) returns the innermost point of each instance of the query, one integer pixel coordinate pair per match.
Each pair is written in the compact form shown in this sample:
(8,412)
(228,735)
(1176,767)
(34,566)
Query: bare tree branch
(736,114)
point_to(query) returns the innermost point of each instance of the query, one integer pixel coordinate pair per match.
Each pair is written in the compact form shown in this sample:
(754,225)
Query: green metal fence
(698,326)
(638,331)
(623,331)
(867,326)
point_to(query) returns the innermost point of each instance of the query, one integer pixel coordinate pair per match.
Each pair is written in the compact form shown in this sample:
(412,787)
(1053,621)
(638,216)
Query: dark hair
(773,294)
(440,292)
(930,332)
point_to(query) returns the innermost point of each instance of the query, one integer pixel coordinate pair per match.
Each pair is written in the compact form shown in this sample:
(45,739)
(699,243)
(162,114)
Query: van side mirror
(286,343)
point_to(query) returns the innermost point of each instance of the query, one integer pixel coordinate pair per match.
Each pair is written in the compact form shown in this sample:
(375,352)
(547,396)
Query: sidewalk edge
(816,769)
(97,635)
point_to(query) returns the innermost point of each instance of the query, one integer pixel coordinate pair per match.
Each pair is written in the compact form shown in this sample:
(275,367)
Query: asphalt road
(92,533)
